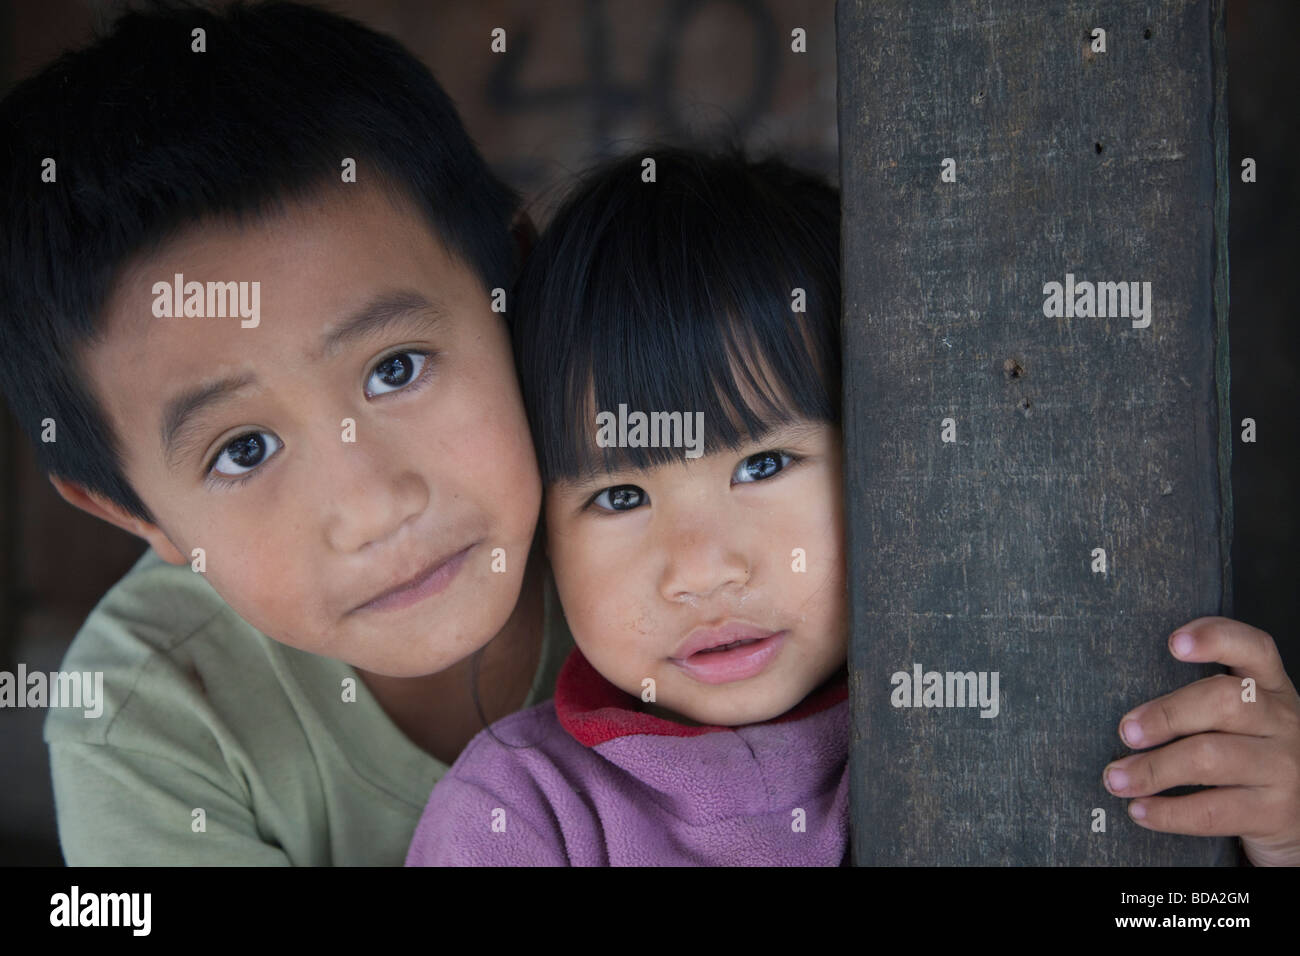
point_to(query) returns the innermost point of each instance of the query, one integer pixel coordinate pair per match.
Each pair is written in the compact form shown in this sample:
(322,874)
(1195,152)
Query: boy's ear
(99,506)
(525,235)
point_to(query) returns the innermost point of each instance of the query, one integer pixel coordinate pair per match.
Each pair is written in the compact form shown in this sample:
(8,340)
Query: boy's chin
(396,653)
(399,665)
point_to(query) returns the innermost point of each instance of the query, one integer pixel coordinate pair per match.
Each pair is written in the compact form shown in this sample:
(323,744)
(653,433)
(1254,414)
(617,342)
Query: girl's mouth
(712,661)
(727,647)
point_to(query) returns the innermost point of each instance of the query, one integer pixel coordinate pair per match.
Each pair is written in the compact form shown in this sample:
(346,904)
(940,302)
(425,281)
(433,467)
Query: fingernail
(1116,780)
(1183,644)
(1131,731)
(1137,811)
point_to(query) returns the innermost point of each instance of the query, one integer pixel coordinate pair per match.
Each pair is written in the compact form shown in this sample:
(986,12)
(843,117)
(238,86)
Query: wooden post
(994,451)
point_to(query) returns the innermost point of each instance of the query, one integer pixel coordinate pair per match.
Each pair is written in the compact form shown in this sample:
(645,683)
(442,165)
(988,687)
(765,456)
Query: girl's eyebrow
(798,430)
(596,475)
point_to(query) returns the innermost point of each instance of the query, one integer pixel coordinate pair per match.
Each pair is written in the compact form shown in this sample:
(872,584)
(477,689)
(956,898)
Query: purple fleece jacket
(588,780)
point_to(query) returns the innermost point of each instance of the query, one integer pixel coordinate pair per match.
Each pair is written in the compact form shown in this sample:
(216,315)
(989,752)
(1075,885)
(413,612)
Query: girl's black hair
(676,286)
(679,295)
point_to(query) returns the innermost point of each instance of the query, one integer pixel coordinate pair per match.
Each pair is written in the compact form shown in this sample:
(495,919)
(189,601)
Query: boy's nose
(366,499)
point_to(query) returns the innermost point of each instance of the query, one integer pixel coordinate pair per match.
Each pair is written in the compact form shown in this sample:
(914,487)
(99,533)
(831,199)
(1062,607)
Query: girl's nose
(702,560)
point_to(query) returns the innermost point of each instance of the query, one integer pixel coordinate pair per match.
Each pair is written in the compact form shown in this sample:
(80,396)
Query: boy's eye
(395,372)
(763,465)
(620,498)
(245,453)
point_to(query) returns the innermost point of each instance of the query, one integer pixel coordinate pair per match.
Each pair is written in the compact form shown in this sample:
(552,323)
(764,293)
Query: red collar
(594,711)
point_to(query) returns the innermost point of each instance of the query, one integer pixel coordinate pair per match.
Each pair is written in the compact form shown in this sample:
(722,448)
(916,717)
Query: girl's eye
(620,498)
(763,465)
(245,453)
(395,372)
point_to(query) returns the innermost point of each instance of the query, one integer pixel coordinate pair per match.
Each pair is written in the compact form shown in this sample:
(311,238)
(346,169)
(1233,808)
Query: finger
(1202,760)
(1211,703)
(1247,650)
(1220,811)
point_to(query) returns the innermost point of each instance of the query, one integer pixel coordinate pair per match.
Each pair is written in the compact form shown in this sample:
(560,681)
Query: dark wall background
(584,79)
(1263,244)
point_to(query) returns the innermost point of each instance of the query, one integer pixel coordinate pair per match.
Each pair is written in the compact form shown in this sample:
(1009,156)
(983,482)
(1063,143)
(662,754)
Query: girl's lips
(748,658)
(428,582)
(706,638)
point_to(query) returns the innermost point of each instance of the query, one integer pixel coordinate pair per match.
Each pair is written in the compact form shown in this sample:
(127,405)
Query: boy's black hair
(679,295)
(150,137)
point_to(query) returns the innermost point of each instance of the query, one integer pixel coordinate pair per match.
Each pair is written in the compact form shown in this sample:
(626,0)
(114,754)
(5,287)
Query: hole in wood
(1099,147)
(1146,34)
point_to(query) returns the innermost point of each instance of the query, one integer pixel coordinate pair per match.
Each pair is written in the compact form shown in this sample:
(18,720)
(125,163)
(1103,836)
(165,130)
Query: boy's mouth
(433,579)
(732,652)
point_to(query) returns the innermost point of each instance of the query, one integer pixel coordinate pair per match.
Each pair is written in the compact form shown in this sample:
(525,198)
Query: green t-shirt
(202,712)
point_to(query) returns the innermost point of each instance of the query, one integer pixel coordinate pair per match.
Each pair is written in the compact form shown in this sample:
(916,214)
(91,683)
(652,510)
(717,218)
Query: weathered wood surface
(1072,433)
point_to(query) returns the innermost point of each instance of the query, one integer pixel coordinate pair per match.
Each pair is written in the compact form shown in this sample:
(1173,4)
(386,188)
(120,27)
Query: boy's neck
(436,711)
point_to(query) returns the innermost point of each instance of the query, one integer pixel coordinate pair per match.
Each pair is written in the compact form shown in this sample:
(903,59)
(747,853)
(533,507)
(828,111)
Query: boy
(290,381)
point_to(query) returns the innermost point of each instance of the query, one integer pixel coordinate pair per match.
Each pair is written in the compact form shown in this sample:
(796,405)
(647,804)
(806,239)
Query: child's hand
(1248,751)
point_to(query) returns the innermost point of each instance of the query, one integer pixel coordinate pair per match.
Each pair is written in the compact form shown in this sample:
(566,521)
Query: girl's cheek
(575,578)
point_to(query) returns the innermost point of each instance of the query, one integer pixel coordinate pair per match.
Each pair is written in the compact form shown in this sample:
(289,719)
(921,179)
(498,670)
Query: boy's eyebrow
(380,312)
(182,409)
(383,310)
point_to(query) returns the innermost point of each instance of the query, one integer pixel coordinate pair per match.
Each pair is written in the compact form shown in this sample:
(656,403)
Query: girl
(702,718)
